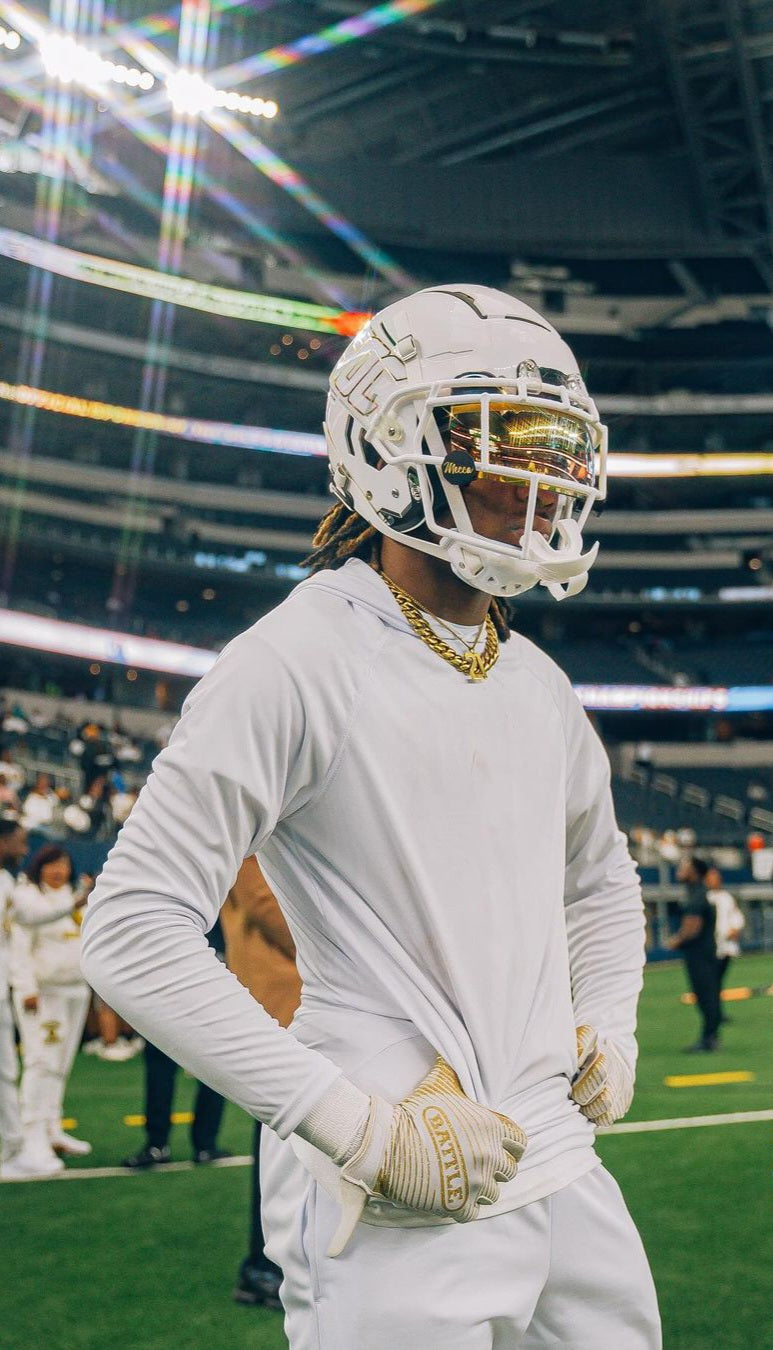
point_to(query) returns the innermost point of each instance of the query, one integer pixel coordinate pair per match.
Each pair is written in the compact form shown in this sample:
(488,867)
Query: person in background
(13,772)
(39,804)
(50,996)
(160,1075)
(729,926)
(97,758)
(695,941)
(14,1164)
(261,954)
(9,797)
(121,800)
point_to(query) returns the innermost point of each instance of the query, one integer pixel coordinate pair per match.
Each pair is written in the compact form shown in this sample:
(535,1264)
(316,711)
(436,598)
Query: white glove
(602,1086)
(436,1151)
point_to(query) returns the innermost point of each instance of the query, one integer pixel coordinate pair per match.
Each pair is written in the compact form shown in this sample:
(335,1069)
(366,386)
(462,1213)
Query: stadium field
(147,1262)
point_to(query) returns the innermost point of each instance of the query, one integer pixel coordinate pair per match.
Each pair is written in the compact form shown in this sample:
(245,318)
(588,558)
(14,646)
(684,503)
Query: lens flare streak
(153,285)
(327,39)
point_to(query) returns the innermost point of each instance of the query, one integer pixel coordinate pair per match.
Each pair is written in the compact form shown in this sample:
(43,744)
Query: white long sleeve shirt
(730,919)
(45,943)
(445,853)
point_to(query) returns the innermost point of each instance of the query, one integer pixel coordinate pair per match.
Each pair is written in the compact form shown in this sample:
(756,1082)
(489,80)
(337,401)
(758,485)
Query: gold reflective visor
(532,439)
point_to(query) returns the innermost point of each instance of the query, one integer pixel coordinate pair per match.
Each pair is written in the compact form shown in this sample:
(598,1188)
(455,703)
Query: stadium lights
(70,62)
(126,111)
(190,95)
(193,96)
(272,440)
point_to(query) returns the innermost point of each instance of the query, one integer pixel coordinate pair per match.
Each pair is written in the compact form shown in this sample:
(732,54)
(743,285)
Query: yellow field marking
(177,1118)
(727,995)
(681,1080)
(69,1123)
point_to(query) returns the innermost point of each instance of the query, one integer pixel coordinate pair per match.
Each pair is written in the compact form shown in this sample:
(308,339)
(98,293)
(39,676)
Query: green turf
(147,1262)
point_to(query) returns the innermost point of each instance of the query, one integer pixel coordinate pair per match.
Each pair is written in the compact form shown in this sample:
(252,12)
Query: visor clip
(459,468)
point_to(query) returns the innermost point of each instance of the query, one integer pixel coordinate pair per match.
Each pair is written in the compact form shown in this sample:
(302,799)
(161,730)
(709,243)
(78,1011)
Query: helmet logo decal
(459,468)
(360,381)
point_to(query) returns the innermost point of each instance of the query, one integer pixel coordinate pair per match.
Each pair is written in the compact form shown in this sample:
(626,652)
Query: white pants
(565,1272)
(50,1038)
(10,1123)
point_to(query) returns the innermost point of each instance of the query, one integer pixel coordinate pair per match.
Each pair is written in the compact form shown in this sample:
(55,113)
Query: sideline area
(150,1266)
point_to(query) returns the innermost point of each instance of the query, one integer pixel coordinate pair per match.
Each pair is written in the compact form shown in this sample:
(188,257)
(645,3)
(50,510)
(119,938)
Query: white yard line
(685,1122)
(625,1127)
(96,1173)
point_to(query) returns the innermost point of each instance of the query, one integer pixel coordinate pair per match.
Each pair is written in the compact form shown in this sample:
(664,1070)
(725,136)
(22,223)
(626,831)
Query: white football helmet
(455,382)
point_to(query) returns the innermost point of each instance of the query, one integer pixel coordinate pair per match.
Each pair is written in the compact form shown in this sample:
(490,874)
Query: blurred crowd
(64,779)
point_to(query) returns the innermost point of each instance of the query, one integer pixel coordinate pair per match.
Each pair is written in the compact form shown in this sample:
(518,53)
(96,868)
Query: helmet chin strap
(563,570)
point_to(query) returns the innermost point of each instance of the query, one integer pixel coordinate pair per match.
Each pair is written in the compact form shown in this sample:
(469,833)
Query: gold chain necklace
(475,665)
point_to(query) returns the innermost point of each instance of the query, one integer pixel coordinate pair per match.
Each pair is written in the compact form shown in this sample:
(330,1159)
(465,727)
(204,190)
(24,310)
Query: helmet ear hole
(372,457)
(355,441)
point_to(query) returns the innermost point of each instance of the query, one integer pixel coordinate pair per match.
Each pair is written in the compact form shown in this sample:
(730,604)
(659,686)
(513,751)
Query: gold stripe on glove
(603,1086)
(436,1151)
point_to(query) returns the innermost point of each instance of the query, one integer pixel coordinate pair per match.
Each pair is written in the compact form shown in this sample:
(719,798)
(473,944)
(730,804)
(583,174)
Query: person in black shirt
(696,941)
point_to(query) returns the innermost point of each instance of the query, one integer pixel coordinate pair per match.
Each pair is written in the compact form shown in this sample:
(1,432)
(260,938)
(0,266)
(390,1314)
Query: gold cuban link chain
(475,665)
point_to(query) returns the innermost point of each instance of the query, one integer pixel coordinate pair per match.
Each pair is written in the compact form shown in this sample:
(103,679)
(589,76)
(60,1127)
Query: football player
(431,807)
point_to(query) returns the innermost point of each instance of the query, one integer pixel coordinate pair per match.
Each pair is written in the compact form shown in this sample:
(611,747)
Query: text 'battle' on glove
(437,1152)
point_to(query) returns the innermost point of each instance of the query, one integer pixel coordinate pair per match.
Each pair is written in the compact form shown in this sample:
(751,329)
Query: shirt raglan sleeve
(239,759)
(604,910)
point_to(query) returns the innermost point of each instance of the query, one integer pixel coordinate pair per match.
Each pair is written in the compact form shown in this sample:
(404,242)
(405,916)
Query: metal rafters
(752,108)
(708,53)
(349,94)
(539,116)
(584,112)
(637,118)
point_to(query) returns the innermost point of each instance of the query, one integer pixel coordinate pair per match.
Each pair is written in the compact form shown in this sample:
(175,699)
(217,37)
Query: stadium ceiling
(610,150)
(198,202)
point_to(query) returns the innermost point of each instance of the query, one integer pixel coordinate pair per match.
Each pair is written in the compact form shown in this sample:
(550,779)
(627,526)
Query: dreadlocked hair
(342,534)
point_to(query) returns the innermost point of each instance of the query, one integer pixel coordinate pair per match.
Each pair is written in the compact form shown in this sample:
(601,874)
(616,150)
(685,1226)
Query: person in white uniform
(13,847)
(431,807)
(51,997)
(730,924)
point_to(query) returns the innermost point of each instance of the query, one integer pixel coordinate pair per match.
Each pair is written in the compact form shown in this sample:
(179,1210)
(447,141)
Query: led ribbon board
(668,698)
(175,658)
(100,644)
(151,285)
(275,441)
(185,428)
